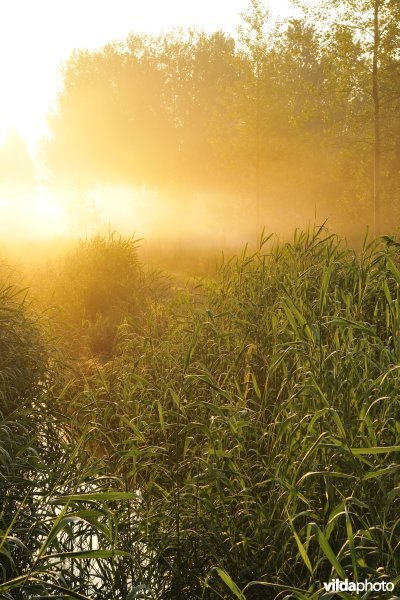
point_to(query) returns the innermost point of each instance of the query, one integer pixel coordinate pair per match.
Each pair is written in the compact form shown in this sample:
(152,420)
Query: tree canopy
(281,113)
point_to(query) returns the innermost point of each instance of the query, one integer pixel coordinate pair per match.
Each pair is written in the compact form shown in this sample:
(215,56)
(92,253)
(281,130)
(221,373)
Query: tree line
(303,111)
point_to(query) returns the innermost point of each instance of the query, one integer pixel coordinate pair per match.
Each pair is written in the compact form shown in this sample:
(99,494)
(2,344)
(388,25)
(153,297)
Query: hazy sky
(37,35)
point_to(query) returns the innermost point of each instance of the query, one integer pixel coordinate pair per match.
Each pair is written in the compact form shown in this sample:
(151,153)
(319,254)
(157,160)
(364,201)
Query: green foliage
(242,442)
(22,348)
(97,287)
(257,414)
(56,540)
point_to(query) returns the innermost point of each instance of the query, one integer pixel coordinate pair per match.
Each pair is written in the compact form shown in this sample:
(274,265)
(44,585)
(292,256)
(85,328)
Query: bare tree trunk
(258,199)
(377,123)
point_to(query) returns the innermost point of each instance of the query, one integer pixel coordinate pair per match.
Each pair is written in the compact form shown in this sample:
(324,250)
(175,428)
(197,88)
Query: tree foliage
(279,114)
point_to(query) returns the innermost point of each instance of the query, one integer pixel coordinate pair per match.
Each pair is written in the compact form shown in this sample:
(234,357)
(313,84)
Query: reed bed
(241,442)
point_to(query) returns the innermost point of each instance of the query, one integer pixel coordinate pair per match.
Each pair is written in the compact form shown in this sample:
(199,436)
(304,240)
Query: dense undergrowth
(236,438)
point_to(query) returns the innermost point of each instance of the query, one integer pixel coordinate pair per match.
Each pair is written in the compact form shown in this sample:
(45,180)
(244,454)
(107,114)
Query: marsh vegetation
(236,437)
(187,417)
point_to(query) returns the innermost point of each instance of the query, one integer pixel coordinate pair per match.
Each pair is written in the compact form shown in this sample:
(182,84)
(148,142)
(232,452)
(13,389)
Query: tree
(200,71)
(301,114)
(252,35)
(142,112)
(375,25)
(110,123)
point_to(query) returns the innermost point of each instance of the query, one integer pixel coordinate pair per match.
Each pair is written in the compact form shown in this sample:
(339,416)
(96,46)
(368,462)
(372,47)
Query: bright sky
(36,36)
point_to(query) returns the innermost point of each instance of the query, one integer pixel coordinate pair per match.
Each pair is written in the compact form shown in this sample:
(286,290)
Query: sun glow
(36,37)
(32,213)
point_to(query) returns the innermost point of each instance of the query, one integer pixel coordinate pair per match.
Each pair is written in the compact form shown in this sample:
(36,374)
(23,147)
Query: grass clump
(93,289)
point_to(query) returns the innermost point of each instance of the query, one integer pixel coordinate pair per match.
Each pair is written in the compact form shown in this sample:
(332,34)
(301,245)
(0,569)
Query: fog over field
(287,118)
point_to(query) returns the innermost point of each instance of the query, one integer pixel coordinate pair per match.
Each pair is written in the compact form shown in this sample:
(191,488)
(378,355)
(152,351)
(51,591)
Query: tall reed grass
(243,442)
